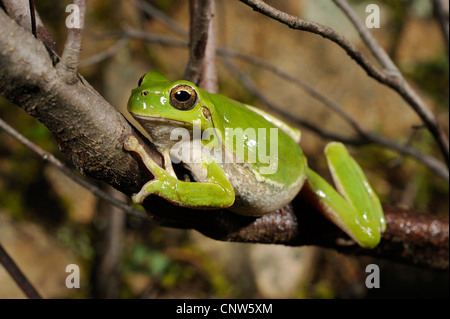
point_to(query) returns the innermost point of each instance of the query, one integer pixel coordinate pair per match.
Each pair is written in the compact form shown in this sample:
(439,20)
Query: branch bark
(91,133)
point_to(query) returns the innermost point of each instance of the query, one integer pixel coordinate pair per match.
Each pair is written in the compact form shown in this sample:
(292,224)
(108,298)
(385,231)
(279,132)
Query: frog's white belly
(255,196)
(254,193)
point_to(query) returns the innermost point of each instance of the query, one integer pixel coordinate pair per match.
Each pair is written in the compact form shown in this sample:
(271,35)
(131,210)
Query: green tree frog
(242,159)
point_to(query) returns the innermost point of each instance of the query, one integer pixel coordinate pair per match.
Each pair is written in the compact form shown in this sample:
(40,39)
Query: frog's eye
(183,97)
(140,80)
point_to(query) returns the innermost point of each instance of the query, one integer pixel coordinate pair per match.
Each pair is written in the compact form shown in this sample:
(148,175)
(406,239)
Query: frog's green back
(236,116)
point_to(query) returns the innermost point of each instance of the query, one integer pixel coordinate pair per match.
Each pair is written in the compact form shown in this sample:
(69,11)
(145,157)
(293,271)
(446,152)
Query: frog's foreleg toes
(131,143)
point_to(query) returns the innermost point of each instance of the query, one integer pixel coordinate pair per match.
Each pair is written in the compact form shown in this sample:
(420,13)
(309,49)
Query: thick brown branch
(410,237)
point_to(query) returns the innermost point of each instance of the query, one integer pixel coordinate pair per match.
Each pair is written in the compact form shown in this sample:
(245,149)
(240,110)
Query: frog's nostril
(144,93)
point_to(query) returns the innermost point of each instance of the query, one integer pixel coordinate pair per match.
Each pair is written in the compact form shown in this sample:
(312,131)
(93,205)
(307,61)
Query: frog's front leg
(358,211)
(216,193)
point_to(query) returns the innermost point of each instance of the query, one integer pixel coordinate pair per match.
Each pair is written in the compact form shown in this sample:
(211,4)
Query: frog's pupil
(182,96)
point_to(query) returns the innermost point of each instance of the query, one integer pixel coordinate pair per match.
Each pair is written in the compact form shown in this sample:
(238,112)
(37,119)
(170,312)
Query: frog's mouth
(160,129)
(149,118)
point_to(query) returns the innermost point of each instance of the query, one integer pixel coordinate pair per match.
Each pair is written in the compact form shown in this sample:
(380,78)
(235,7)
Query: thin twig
(33,17)
(398,84)
(153,38)
(441,8)
(111,51)
(66,171)
(68,65)
(366,137)
(161,17)
(251,87)
(110,239)
(202,12)
(209,80)
(377,51)
(16,274)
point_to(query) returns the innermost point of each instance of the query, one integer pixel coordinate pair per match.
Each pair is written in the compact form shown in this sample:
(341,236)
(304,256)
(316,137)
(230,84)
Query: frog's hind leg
(358,211)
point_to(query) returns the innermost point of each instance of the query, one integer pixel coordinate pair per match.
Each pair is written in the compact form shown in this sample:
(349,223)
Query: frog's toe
(146,190)
(137,199)
(131,143)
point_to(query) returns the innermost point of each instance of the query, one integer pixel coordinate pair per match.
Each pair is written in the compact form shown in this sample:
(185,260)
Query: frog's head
(160,105)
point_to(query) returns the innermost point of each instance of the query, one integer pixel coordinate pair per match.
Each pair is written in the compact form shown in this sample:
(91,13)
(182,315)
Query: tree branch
(410,237)
(377,51)
(92,138)
(104,55)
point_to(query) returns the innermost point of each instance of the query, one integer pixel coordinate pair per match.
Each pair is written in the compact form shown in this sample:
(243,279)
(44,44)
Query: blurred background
(47,221)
